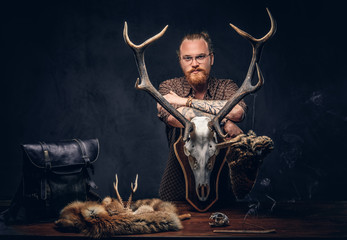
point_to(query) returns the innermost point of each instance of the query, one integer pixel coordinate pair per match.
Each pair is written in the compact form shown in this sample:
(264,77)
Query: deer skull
(201,150)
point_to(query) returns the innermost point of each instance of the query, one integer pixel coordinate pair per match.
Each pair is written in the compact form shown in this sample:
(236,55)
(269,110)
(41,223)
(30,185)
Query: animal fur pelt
(110,217)
(245,158)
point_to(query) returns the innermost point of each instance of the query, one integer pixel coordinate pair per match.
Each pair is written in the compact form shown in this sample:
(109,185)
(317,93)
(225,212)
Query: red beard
(197,79)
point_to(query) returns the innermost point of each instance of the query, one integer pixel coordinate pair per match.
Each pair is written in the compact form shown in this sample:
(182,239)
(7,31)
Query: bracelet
(189,101)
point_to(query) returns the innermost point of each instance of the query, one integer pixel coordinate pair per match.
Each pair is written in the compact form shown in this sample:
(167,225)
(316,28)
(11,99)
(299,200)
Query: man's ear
(212,59)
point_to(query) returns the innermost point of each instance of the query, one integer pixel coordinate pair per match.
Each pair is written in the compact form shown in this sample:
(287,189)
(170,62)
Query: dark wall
(67,73)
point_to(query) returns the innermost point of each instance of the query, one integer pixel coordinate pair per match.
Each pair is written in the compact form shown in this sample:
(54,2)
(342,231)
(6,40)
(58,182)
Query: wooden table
(300,220)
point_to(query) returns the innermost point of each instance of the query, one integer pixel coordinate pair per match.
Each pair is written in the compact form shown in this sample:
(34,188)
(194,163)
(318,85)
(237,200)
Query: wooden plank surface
(290,220)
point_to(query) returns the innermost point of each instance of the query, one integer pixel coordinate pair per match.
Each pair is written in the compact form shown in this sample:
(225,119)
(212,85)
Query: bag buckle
(47,159)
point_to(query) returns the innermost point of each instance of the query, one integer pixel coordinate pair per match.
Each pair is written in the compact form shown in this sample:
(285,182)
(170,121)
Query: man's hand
(232,129)
(173,98)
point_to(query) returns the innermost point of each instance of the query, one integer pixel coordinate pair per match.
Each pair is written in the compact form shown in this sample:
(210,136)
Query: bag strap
(86,158)
(46,157)
(48,166)
(84,151)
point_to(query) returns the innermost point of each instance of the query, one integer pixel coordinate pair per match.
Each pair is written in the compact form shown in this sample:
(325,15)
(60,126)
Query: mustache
(196,69)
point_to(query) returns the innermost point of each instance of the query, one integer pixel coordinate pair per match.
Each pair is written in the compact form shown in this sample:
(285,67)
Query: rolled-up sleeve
(165,88)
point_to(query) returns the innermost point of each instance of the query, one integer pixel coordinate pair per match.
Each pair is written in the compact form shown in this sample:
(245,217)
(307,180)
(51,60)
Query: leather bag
(54,174)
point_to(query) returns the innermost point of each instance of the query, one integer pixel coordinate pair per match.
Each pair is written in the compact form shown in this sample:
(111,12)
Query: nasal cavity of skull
(209,165)
(193,163)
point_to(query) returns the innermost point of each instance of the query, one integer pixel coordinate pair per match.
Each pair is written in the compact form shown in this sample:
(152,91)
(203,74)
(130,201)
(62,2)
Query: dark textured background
(67,73)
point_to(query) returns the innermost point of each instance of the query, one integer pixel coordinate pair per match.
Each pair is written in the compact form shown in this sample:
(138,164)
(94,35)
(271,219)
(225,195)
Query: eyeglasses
(201,58)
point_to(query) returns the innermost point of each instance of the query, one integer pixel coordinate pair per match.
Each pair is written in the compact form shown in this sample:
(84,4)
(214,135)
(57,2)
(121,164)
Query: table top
(323,220)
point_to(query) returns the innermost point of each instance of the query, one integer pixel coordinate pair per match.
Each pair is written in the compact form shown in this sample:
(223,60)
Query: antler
(246,87)
(115,186)
(133,190)
(146,83)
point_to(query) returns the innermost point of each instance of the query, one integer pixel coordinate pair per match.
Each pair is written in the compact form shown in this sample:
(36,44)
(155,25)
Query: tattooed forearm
(208,106)
(190,113)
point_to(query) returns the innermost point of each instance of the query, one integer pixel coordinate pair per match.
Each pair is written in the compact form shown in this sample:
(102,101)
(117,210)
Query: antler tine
(246,87)
(133,190)
(146,83)
(132,186)
(115,186)
(139,56)
(146,43)
(266,37)
(273,28)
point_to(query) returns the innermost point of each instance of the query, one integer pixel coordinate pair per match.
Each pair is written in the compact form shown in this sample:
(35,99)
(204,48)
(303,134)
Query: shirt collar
(211,87)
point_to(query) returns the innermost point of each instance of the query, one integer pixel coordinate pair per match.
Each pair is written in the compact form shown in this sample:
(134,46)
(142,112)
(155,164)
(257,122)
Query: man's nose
(195,62)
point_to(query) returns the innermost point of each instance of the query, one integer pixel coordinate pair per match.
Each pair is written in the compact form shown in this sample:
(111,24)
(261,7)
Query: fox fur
(110,217)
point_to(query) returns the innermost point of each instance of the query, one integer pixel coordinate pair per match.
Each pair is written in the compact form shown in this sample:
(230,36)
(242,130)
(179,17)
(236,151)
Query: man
(195,94)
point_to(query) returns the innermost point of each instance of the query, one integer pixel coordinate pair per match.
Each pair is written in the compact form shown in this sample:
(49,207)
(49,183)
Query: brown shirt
(217,89)
(172,187)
